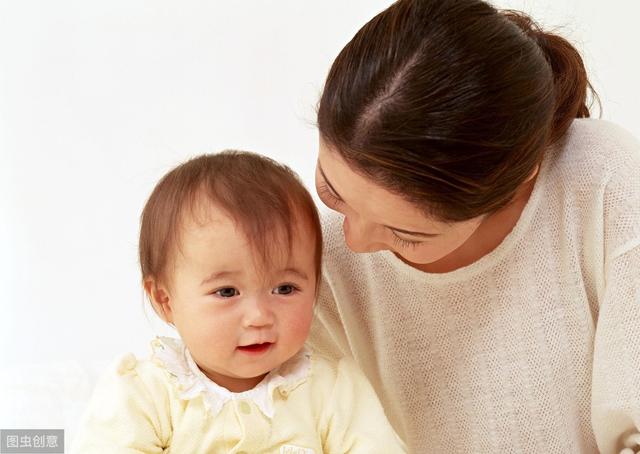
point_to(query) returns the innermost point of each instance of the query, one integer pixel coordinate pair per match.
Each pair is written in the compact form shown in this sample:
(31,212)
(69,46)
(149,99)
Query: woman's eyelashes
(401,242)
(327,195)
(333,201)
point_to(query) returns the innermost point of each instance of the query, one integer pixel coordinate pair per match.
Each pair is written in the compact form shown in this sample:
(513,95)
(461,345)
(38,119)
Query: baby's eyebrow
(230,274)
(301,274)
(220,275)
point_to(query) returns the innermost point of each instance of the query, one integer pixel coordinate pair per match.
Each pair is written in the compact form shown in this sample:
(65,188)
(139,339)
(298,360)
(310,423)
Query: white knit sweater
(534,348)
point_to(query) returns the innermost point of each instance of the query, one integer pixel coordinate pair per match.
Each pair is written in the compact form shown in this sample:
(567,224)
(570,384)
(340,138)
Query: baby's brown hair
(264,198)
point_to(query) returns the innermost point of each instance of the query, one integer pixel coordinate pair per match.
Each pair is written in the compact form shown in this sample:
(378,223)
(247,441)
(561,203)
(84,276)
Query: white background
(99,99)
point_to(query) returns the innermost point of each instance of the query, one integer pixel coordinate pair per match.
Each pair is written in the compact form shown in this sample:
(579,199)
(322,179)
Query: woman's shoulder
(589,160)
(332,235)
(337,258)
(596,153)
(598,170)
(598,145)
(598,128)
(331,222)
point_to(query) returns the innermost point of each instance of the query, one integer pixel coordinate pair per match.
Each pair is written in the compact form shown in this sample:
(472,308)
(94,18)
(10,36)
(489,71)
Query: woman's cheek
(424,254)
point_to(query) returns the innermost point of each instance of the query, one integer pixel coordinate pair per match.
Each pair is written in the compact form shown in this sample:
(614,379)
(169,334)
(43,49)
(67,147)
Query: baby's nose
(258,313)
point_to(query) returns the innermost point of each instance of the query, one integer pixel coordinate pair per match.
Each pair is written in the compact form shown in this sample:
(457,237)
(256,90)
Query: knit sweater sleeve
(616,359)
(327,335)
(122,415)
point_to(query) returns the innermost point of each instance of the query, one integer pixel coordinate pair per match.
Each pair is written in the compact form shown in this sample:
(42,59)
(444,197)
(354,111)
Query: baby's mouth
(255,348)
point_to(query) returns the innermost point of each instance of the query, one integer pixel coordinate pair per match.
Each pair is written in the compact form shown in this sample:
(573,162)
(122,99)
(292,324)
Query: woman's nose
(360,236)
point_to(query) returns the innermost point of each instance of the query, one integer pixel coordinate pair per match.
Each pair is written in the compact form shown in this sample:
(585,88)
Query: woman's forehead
(370,199)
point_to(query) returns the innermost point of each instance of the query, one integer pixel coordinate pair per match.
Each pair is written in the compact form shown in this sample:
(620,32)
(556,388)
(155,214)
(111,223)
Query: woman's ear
(533,174)
(160,299)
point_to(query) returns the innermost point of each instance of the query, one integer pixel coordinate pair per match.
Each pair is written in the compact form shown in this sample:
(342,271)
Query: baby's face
(239,323)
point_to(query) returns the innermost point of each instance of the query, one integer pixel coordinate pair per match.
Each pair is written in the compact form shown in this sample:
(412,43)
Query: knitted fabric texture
(534,348)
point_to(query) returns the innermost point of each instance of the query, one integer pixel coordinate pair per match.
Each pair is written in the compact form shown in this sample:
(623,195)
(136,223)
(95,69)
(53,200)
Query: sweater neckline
(496,255)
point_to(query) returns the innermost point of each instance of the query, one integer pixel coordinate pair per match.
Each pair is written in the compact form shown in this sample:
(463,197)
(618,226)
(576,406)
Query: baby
(230,251)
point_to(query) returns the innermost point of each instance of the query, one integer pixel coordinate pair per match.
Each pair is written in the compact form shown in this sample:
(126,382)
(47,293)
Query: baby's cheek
(300,325)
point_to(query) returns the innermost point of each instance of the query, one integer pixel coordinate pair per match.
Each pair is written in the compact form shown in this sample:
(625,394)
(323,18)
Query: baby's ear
(159,298)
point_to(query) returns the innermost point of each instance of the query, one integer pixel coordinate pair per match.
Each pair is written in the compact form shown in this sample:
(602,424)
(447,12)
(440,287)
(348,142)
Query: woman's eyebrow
(396,229)
(327,181)
(408,232)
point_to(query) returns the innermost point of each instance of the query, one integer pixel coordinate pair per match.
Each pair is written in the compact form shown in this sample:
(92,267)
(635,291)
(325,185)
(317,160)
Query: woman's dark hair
(451,103)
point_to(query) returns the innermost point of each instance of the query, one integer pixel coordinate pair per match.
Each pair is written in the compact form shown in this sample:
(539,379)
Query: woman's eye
(401,242)
(328,196)
(286,289)
(226,292)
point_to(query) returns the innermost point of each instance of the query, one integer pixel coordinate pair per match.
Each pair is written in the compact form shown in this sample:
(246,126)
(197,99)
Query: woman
(484,268)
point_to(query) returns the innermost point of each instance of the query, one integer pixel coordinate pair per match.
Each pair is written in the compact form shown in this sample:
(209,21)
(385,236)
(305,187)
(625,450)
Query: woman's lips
(255,349)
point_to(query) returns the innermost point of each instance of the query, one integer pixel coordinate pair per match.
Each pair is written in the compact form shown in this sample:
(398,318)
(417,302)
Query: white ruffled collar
(191,382)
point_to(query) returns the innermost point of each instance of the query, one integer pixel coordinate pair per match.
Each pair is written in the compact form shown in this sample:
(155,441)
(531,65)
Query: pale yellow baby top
(309,405)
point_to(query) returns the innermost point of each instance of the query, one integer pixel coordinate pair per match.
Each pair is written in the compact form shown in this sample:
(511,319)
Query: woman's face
(376,219)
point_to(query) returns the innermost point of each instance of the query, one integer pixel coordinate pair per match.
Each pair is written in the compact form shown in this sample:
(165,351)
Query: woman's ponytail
(571,84)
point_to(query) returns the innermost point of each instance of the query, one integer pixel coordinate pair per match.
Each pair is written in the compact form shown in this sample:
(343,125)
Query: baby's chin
(247,366)
(239,379)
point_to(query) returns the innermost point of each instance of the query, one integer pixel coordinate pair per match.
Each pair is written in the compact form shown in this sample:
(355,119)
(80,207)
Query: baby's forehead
(272,241)
(210,224)
(243,262)
(203,209)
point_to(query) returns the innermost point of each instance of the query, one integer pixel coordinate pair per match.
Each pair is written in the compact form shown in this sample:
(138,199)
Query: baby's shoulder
(127,373)
(330,372)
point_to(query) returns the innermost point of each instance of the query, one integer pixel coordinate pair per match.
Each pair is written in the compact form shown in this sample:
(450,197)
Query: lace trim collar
(191,382)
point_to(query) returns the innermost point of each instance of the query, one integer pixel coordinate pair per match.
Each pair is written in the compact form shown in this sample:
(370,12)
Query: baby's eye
(285,289)
(226,292)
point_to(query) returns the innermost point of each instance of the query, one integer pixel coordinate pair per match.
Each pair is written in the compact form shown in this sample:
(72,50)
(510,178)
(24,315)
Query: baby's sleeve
(353,420)
(122,415)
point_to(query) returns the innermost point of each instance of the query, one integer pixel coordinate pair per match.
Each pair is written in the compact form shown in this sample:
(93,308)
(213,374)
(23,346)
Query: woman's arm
(328,335)
(616,359)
